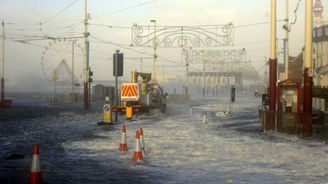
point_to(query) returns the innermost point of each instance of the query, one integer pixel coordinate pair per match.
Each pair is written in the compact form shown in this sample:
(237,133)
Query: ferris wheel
(58,66)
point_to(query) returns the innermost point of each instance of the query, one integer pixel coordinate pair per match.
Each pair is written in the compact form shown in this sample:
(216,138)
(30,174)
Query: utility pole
(187,69)
(163,77)
(287,40)
(73,83)
(273,60)
(86,59)
(203,78)
(3,63)
(308,73)
(155,55)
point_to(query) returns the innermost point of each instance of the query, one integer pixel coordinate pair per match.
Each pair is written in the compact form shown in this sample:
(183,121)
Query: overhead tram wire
(119,45)
(46,20)
(134,50)
(110,26)
(115,11)
(257,24)
(116,44)
(61,11)
(44,36)
(127,8)
(236,26)
(140,52)
(15,30)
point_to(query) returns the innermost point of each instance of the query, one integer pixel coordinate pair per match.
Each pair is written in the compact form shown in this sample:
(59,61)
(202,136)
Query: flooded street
(180,148)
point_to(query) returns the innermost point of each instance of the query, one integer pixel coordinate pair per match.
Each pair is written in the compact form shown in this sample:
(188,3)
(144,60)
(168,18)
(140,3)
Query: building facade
(320,65)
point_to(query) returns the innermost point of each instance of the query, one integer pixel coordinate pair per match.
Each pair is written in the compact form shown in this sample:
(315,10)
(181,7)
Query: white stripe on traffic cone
(35,177)
(142,142)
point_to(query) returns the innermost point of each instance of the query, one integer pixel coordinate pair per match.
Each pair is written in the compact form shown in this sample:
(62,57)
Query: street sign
(129,92)
(106,108)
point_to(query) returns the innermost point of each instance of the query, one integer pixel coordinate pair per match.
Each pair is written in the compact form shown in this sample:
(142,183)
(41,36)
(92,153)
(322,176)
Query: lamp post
(86,103)
(186,53)
(73,83)
(3,64)
(273,60)
(155,56)
(287,41)
(203,75)
(308,75)
(55,78)
(244,54)
(163,75)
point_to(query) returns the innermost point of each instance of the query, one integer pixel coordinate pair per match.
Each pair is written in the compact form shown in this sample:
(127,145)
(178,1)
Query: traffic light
(118,65)
(90,76)
(233,93)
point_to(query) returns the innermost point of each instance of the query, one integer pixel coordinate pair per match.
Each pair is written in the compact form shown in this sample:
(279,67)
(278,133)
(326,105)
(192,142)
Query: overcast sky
(26,18)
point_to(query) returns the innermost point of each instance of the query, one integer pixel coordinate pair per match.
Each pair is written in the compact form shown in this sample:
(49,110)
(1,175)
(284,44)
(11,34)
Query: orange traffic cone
(35,177)
(137,156)
(142,142)
(123,145)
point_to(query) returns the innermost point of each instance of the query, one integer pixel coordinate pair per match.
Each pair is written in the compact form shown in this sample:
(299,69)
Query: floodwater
(180,148)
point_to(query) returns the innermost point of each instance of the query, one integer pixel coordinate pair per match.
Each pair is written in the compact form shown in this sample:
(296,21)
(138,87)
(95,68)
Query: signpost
(232,97)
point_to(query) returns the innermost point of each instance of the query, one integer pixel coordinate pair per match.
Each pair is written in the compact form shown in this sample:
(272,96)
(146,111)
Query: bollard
(107,112)
(128,111)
